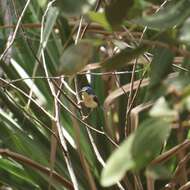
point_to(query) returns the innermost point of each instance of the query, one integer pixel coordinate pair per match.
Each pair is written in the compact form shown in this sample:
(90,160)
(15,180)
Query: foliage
(135,54)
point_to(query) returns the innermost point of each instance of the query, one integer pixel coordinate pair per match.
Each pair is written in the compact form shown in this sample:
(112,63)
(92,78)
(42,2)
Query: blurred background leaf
(173,15)
(75,58)
(74,8)
(117,11)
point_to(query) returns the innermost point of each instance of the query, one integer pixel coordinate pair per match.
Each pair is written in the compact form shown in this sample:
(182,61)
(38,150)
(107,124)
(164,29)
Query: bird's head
(89,98)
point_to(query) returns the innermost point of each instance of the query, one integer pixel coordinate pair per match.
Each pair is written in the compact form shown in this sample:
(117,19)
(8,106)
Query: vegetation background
(135,54)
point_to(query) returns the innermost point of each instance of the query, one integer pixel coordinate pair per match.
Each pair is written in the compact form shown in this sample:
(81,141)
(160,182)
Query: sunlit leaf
(42,3)
(187,102)
(29,82)
(184,32)
(100,19)
(120,161)
(162,109)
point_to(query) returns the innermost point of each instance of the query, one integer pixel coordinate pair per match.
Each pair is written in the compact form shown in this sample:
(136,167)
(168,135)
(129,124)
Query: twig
(177,172)
(136,93)
(15,31)
(87,125)
(7,20)
(131,98)
(24,160)
(172,152)
(32,51)
(182,178)
(88,24)
(54,126)
(89,177)
(27,96)
(63,142)
(29,114)
(134,114)
(66,96)
(186,186)
(84,163)
(56,123)
(149,183)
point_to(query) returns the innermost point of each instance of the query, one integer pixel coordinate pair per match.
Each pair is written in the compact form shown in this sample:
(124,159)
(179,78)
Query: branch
(24,160)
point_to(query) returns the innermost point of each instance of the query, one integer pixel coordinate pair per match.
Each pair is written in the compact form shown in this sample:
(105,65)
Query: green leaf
(181,84)
(158,172)
(49,24)
(74,7)
(100,19)
(137,8)
(162,109)
(161,65)
(184,32)
(124,56)
(16,170)
(137,151)
(42,3)
(120,161)
(22,142)
(75,58)
(169,17)
(186,103)
(186,64)
(148,141)
(22,73)
(117,11)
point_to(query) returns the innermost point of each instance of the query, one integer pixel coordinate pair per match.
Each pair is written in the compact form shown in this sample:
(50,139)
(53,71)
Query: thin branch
(66,96)
(29,115)
(131,98)
(56,123)
(182,178)
(186,186)
(87,125)
(172,152)
(27,96)
(84,163)
(177,172)
(88,24)
(88,175)
(54,127)
(24,160)
(15,31)
(172,48)
(149,183)
(7,20)
(63,142)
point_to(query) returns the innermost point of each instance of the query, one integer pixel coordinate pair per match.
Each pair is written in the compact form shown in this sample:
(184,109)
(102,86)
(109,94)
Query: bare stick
(24,160)
(15,31)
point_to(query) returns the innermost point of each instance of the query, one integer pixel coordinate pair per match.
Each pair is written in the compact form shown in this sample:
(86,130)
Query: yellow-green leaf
(75,58)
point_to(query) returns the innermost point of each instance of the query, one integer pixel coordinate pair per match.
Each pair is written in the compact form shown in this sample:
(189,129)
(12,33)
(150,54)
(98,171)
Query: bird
(89,98)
